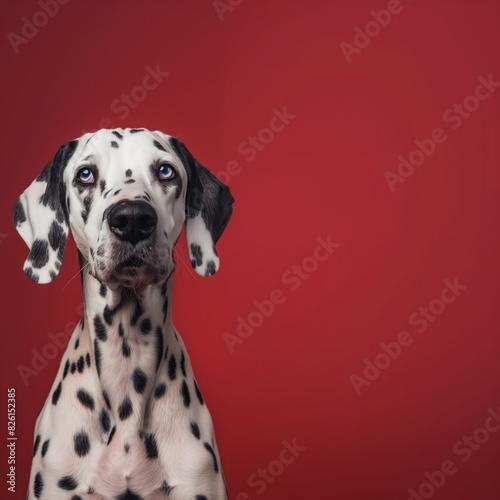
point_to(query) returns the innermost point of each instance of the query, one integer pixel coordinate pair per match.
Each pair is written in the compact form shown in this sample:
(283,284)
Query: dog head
(125,194)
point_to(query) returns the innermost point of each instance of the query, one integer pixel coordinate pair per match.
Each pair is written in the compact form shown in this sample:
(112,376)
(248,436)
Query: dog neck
(131,335)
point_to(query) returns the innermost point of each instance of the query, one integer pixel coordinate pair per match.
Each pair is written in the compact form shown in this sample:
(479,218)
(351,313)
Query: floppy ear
(208,210)
(41,218)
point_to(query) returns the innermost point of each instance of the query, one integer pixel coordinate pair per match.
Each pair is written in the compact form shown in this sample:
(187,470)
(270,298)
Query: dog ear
(208,210)
(41,218)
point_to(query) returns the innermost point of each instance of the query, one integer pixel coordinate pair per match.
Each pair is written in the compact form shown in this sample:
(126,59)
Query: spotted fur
(125,419)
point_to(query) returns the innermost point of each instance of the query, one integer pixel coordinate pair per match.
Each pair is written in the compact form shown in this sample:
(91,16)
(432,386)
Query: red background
(322,175)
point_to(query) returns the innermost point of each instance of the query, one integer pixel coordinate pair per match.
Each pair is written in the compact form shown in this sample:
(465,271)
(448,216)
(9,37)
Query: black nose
(132,221)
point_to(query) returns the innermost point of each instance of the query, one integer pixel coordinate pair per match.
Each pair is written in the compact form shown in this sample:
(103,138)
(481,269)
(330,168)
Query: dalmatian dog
(125,418)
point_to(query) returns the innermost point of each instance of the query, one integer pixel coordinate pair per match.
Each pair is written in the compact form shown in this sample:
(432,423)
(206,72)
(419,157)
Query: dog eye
(165,172)
(85,176)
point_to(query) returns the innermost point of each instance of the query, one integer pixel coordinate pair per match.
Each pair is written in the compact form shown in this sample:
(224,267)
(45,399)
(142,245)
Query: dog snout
(132,221)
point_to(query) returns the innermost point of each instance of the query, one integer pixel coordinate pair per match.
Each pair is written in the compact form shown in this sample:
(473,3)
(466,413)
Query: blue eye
(165,172)
(85,176)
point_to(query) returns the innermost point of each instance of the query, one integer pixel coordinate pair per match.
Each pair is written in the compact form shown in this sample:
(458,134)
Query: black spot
(165,488)
(45,447)
(197,255)
(172,368)
(195,430)
(67,483)
(114,144)
(128,173)
(140,380)
(87,359)
(201,497)
(97,355)
(151,446)
(126,448)
(19,214)
(135,130)
(38,485)
(117,191)
(31,275)
(60,255)
(129,495)
(120,330)
(77,343)
(85,216)
(183,363)
(85,398)
(103,290)
(125,348)
(198,393)
(81,443)
(102,185)
(137,313)
(108,315)
(145,326)
(206,194)
(39,254)
(106,399)
(111,434)
(186,397)
(73,367)
(37,443)
(55,193)
(211,451)
(159,346)
(159,146)
(105,420)
(80,364)
(117,134)
(100,328)
(76,497)
(165,308)
(66,369)
(130,181)
(82,322)
(57,238)
(125,409)
(52,275)
(210,270)
(160,390)
(56,394)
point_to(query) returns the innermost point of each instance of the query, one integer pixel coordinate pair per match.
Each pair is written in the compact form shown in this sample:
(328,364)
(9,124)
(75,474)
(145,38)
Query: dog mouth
(132,262)
(135,270)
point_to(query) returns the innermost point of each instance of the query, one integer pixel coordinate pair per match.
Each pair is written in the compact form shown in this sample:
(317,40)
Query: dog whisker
(80,271)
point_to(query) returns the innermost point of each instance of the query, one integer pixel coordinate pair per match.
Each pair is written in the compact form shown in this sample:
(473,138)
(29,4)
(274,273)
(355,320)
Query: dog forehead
(121,149)
(125,140)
